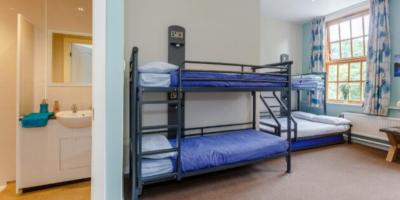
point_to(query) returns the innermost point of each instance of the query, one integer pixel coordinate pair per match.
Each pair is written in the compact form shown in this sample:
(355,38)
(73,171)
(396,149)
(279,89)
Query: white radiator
(368,126)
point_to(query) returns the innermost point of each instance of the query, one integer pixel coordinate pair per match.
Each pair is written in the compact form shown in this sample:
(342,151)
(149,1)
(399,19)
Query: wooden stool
(393,135)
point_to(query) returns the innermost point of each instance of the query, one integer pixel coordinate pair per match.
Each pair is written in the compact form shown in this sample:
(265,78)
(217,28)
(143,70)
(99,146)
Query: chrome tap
(74,108)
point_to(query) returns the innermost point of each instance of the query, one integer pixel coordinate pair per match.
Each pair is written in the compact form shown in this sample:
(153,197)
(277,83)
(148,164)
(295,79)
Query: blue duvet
(224,82)
(228,148)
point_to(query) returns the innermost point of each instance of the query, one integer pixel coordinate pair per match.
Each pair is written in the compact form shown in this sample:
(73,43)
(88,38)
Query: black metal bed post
(289,122)
(253,94)
(180,126)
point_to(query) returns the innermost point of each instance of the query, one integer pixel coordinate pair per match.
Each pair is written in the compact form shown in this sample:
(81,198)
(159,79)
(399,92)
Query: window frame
(348,61)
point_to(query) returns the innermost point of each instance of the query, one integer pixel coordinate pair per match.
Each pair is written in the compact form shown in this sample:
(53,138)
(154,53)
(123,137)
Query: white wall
(62,15)
(280,37)
(216,30)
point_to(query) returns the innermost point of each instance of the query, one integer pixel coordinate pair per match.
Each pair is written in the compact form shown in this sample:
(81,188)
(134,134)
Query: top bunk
(315,81)
(160,77)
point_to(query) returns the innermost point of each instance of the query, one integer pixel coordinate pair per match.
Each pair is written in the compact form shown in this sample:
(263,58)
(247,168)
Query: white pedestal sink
(80,119)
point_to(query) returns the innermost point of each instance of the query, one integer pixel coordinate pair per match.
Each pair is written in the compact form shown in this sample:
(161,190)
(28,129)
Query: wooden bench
(393,135)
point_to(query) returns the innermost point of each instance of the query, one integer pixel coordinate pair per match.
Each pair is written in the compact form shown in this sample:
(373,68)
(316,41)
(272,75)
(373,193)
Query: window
(347,43)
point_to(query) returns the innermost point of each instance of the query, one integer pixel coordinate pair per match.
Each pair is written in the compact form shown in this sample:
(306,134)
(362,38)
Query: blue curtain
(377,87)
(317,57)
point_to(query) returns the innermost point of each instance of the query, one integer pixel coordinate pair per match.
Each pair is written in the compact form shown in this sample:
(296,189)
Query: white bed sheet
(305,128)
(152,167)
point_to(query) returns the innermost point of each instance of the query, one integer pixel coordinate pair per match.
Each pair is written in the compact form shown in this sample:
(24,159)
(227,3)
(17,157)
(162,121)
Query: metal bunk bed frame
(137,130)
(298,91)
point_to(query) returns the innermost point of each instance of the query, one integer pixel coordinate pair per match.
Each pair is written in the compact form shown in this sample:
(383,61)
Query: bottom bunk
(199,153)
(312,130)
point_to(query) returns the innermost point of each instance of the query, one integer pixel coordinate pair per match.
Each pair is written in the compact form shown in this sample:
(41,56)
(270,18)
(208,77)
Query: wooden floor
(77,191)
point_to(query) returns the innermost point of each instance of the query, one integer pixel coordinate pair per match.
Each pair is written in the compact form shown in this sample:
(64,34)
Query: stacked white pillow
(156,74)
(159,163)
(321,118)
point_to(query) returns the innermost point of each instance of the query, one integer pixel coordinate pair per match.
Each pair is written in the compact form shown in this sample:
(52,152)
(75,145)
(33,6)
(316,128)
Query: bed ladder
(272,113)
(163,128)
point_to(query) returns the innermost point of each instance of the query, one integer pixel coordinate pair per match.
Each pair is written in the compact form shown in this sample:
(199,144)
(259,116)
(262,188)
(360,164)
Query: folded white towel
(155,142)
(154,80)
(157,68)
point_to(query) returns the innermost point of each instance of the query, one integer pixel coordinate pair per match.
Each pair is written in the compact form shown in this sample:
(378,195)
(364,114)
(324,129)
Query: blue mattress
(228,148)
(317,142)
(227,83)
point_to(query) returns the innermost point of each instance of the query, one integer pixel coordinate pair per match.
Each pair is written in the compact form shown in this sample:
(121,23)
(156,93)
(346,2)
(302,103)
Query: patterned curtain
(317,57)
(377,87)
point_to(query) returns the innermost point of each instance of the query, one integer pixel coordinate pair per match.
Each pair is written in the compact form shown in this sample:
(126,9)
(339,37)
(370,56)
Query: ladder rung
(160,127)
(161,151)
(161,102)
(268,97)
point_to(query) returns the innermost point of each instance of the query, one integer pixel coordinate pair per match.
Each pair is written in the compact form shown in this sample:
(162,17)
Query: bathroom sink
(80,119)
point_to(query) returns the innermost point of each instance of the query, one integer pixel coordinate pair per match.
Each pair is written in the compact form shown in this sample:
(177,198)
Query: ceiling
(303,10)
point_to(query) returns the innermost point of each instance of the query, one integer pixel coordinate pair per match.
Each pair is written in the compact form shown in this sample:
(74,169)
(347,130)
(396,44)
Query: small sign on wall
(397,66)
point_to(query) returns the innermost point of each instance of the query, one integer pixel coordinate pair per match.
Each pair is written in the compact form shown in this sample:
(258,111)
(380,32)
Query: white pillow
(304,115)
(155,142)
(158,68)
(331,120)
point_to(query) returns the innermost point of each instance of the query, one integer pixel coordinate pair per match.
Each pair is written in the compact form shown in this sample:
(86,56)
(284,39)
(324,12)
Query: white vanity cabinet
(52,154)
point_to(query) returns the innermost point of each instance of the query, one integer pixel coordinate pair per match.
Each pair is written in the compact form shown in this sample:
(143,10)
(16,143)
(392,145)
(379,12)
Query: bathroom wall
(34,11)
(25,40)
(63,16)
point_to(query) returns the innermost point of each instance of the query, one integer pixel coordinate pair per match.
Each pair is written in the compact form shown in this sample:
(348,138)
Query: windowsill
(343,104)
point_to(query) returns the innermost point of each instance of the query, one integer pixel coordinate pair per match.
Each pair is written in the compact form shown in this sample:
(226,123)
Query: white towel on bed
(156,167)
(154,80)
(155,142)
(158,68)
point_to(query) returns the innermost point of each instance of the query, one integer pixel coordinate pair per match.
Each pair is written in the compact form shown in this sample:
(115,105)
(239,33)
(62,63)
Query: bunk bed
(309,130)
(199,150)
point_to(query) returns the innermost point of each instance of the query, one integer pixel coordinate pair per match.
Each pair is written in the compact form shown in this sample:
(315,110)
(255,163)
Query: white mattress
(154,80)
(154,167)
(305,128)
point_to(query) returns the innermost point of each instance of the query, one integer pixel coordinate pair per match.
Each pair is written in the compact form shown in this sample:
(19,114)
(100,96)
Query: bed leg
(288,164)
(349,136)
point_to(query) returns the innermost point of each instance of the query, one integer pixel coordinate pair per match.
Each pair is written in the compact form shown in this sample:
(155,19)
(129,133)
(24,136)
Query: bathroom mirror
(71,58)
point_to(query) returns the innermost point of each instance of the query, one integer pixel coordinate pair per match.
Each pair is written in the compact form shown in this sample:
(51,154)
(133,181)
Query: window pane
(355,71)
(358,47)
(334,33)
(366,46)
(364,69)
(345,30)
(346,49)
(344,90)
(357,27)
(366,25)
(332,91)
(355,91)
(335,51)
(343,72)
(332,73)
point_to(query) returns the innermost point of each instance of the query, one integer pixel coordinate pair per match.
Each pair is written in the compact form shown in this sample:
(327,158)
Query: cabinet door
(75,153)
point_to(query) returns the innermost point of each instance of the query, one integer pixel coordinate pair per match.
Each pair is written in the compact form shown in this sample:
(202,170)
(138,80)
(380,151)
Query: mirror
(71,58)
